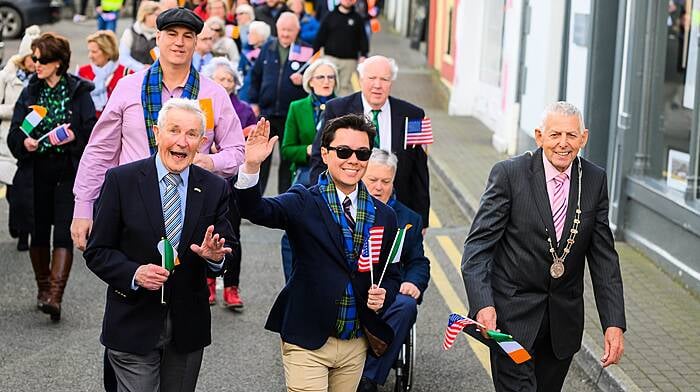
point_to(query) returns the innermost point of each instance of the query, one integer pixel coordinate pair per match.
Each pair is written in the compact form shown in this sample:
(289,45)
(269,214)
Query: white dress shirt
(384,120)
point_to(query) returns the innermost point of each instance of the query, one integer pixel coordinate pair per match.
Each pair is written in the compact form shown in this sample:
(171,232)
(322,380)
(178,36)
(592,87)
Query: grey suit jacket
(506,255)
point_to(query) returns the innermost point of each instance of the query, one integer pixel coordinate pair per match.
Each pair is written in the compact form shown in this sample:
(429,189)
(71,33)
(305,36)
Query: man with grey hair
(389,115)
(415,268)
(160,224)
(544,214)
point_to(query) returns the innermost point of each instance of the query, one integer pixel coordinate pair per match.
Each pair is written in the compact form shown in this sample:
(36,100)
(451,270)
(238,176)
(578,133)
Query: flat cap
(179,17)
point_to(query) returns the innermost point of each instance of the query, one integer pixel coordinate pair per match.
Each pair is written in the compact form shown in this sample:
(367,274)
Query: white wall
(396,11)
(577,61)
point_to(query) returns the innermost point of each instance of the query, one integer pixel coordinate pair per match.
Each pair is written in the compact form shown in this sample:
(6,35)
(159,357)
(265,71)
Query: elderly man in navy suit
(330,311)
(415,268)
(156,321)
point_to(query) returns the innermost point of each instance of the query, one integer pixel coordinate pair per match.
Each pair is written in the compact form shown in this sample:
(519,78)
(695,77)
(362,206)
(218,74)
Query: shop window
(492,42)
(450,15)
(669,146)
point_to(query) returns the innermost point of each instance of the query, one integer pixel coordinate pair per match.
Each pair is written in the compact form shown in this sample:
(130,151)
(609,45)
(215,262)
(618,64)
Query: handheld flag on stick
(418,132)
(313,58)
(396,249)
(300,53)
(155,53)
(33,118)
(168,260)
(253,54)
(208,108)
(59,135)
(232,31)
(371,250)
(457,323)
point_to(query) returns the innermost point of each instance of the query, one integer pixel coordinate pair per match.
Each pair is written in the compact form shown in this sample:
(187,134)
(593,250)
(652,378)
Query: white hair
(384,157)
(222,62)
(260,28)
(246,9)
(392,64)
(309,73)
(189,105)
(564,109)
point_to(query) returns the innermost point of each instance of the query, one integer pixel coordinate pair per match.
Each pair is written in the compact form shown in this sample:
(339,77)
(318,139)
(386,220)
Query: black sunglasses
(343,152)
(43,60)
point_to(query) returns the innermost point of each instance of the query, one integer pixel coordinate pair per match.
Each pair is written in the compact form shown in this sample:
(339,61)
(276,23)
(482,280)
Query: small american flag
(371,249)
(418,132)
(300,53)
(455,325)
(253,54)
(59,135)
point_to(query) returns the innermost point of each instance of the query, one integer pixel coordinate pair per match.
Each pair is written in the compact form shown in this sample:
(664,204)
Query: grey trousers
(162,369)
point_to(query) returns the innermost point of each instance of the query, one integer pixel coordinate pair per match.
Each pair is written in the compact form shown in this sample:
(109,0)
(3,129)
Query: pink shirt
(549,173)
(119,137)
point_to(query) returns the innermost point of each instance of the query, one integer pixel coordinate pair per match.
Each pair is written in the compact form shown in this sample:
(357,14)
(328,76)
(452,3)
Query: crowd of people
(161,143)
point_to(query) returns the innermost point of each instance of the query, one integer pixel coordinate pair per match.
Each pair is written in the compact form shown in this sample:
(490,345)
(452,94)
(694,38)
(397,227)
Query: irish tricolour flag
(396,248)
(33,118)
(168,260)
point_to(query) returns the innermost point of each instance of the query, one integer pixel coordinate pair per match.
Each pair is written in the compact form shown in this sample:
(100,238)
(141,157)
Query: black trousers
(232,265)
(284,173)
(544,372)
(54,176)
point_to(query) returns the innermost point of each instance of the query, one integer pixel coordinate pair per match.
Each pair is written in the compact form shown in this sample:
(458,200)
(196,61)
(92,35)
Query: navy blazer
(415,267)
(412,181)
(306,310)
(127,227)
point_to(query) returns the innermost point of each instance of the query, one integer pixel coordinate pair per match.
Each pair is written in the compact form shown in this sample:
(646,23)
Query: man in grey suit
(541,216)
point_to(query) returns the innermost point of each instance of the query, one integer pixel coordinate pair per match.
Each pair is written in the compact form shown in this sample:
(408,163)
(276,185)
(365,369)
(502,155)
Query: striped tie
(348,216)
(558,204)
(172,214)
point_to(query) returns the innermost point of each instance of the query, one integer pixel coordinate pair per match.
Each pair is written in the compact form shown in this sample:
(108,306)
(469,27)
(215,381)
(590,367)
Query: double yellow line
(448,293)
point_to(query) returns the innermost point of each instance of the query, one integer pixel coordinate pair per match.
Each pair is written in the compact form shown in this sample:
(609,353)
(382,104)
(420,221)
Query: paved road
(36,353)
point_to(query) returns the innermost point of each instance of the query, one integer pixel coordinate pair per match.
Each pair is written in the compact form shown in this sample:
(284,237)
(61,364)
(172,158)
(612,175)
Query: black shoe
(367,385)
(23,242)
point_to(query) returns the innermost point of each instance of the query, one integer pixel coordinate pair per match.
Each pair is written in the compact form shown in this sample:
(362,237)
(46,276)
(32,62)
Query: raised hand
(212,247)
(258,146)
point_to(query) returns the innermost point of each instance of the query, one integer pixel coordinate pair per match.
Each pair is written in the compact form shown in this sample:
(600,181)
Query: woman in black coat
(47,162)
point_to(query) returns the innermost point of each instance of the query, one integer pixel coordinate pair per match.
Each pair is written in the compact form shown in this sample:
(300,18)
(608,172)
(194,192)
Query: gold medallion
(557,269)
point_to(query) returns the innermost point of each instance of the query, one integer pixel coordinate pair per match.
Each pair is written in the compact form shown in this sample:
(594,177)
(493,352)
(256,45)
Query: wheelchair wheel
(404,363)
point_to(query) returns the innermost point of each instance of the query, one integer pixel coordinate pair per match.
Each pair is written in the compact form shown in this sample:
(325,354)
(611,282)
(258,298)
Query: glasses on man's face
(42,60)
(324,77)
(344,152)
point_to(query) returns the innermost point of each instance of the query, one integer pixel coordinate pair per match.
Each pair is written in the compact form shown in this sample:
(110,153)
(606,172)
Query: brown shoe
(41,260)
(232,299)
(60,269)
(211,283)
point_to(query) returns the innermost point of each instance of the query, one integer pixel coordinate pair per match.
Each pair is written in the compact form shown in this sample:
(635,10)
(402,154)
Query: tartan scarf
(151,90)
(364,219)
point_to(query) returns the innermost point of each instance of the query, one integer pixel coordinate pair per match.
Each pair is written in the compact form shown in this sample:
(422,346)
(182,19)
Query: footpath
(662,347)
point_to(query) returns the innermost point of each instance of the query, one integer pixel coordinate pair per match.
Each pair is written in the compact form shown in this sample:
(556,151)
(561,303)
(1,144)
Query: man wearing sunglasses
(329,313)
(389,115)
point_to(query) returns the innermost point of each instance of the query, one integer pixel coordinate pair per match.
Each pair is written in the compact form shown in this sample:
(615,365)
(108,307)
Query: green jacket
(299,132)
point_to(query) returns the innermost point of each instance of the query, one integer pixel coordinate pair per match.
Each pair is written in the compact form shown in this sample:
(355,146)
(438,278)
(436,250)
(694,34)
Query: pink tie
(558,204)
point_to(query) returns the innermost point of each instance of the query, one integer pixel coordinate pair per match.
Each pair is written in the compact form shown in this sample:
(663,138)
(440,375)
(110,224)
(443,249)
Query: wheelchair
(403,366)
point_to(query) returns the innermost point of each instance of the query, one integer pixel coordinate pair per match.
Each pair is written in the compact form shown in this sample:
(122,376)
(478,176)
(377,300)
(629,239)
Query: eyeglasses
(43,60)
(344,152)
(324,77)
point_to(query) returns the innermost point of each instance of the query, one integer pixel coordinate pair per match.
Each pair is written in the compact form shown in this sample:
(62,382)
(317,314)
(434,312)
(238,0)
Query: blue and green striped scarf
(151,92)
(347,321)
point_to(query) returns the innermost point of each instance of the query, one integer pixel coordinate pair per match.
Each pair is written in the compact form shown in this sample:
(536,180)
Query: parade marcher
(244,16)
(223,72)
(258,35)
(389,115)
(269,12)
(203,48)
(223,45)
(108,13)
(13,79)
(415,268)
(157,320)
(329,311)
(46,169)
(541,216)
(138,40)
(344,41)
(274,84)
(123,133)
(104,70)
(309,24)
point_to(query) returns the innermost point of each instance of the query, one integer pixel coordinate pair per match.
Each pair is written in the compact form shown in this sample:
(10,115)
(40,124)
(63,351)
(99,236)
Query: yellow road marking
(452,252)
(434,220)
(437,275)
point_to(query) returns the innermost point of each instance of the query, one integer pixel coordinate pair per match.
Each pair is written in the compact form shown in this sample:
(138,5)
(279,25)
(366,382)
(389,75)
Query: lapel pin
(197,190)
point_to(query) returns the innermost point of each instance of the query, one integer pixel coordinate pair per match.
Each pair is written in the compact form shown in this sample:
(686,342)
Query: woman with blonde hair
(104,71)
(138,40)
(13,78)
